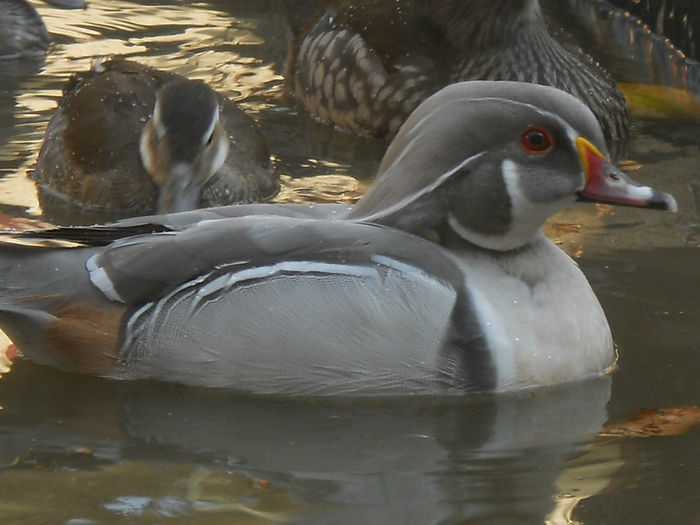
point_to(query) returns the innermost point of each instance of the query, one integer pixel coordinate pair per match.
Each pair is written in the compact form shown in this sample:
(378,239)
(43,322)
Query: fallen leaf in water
(258,482)
(629,165)
(12,352)
(8,353)
(565,227)
(651,100)
(80,450)
(20,224)
(656,422)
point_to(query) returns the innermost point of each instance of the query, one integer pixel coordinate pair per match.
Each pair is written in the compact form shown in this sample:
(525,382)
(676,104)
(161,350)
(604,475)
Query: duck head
(184,143)
(491,161)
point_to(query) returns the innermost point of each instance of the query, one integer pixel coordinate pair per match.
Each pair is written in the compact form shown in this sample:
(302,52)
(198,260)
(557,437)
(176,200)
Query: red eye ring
(537,140)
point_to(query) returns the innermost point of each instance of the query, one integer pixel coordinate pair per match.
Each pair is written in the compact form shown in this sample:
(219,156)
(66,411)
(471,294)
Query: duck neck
(509,40)
(505,40)
(451,236)
(478,26)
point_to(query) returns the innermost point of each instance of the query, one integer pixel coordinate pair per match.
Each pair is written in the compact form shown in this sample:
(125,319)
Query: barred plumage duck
(366,65)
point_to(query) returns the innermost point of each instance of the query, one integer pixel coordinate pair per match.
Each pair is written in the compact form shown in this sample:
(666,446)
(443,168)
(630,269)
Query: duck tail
(34,282)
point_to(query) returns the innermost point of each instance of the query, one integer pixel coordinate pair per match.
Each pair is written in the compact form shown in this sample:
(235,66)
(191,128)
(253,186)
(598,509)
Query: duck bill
(180,190)
(606,184)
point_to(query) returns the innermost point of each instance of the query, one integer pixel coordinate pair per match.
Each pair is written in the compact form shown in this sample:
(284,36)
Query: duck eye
(537,140)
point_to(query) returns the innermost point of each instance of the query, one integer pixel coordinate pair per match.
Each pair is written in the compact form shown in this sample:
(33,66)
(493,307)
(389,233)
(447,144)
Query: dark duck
(128,139)
(22,31)
(365,65)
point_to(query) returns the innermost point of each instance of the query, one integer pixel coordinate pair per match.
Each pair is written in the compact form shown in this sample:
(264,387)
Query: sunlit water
(96,451)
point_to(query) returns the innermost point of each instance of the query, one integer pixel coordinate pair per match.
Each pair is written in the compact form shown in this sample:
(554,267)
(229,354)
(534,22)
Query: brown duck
(128,139)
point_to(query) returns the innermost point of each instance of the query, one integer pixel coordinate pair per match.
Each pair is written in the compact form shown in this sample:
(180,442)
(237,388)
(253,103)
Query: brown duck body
(90,162)
(366,65)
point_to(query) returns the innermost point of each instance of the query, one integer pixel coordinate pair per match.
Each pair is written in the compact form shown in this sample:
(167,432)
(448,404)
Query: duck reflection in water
(417,460)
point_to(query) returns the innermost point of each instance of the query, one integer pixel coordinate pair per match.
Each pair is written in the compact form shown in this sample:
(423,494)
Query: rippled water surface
(97,451)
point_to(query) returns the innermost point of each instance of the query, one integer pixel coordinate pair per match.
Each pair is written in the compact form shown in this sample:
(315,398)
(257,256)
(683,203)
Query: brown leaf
(656,422)
(8,354)
(10,223)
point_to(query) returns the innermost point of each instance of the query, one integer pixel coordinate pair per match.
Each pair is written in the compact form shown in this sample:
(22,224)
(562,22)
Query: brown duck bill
(606,184)
(180,190)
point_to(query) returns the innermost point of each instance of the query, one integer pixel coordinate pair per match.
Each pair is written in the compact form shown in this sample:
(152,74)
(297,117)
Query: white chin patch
(526,217)
(212,123)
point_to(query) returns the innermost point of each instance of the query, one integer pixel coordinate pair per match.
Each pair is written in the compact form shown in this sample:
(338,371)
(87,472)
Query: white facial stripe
(404,152)
(156,112)
(571,133)
(145,147)
(412,198)
(221,149)
(526,217)
(158,126)
(210,129)
(511,178)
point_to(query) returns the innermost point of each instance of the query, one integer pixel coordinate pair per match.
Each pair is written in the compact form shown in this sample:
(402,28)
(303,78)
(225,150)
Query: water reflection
(408,461)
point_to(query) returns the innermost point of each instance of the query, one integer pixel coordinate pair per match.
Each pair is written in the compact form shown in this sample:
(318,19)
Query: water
(77,449)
